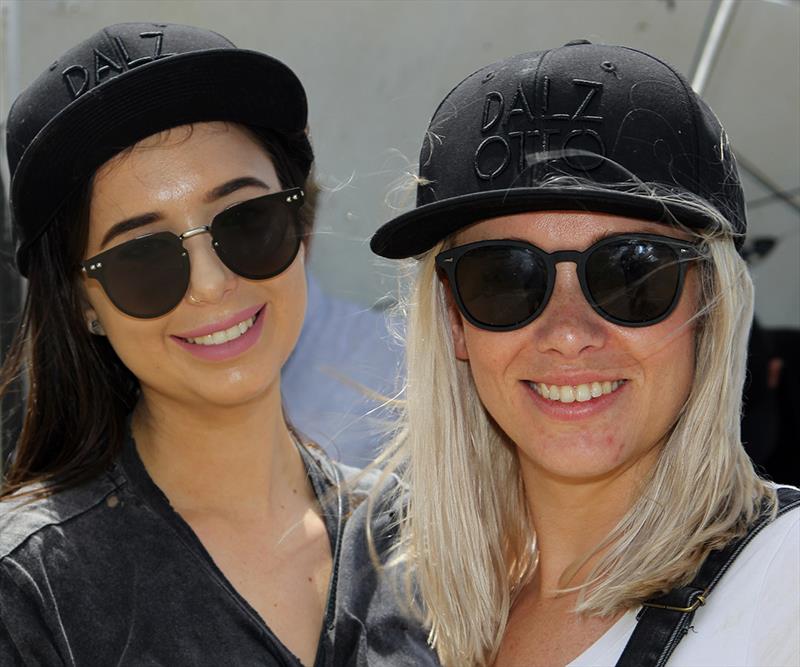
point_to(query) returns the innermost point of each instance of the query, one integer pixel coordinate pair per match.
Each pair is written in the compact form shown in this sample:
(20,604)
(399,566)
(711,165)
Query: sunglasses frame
(447,263)
(94,267)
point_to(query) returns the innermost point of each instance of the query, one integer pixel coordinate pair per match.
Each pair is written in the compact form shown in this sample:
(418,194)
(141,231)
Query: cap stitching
(690,95)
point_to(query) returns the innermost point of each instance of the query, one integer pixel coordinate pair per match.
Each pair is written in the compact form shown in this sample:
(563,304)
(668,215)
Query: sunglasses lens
(634,281)
(501,286)
(258,238)
(147,277)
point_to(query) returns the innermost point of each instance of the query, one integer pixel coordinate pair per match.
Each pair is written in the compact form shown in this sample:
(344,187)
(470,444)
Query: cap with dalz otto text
(124,83)
(581,127)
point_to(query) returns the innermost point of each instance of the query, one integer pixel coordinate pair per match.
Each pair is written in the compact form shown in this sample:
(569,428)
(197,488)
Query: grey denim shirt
(107,573)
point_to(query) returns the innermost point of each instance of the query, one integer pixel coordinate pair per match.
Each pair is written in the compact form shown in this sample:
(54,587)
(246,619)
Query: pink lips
(241,316)
(231,349)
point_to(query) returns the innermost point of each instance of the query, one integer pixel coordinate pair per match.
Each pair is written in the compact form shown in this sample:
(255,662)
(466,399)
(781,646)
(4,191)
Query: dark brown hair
(79,392)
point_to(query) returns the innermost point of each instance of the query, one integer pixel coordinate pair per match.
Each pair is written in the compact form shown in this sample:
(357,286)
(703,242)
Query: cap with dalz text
(581,127)
(124,83)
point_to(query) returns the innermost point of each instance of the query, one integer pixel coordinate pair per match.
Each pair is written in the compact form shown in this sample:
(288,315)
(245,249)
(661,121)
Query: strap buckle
(699,601)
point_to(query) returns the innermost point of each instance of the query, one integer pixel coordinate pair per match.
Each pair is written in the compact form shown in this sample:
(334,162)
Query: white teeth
(580,393)
(220,337)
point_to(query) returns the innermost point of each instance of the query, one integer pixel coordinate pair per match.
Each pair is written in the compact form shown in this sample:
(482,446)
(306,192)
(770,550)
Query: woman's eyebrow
(147,218)
(129,224)
(232,186)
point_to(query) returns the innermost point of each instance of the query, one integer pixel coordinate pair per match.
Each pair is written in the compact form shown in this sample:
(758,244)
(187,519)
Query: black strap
(665,620)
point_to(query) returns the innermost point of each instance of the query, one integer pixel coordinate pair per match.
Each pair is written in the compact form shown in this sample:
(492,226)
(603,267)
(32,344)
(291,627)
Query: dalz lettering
(79,78)
(508,146)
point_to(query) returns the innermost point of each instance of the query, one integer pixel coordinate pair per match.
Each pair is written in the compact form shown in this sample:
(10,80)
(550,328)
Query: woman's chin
(576,457)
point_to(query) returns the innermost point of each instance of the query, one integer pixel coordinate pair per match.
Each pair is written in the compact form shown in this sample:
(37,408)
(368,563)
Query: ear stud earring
(96,328)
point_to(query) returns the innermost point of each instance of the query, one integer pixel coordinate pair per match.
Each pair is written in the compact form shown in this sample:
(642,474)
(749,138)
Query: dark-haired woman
(158,508)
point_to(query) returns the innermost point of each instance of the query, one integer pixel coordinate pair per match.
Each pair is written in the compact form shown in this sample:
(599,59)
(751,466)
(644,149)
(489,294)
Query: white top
(751,618)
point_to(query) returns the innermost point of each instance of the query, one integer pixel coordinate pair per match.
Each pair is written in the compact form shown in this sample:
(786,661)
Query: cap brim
(219,84)
(420,229)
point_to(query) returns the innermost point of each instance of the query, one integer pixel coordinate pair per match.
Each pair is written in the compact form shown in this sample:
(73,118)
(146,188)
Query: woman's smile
(573,402)
(226,340)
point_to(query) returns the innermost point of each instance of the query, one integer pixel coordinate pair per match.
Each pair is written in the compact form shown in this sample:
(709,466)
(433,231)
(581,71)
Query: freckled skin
(657,361)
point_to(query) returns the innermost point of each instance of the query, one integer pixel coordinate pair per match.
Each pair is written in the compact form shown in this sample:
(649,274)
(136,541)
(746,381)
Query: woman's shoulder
(378,618)
(34,512)
(378,497)
(358,484)
(752,617)
(780,536)
(777,544)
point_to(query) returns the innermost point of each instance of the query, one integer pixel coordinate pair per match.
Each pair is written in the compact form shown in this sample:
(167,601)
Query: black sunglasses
(634,280)
(149,275)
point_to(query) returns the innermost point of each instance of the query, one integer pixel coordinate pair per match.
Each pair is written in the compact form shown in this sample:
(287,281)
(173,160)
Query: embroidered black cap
(581,127)
(124,83)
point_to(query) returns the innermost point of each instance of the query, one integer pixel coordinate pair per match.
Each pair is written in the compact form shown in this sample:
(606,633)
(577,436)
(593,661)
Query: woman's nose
(568,326)
(210,280)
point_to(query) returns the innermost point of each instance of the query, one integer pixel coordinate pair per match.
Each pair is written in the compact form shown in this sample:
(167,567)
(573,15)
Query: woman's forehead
(174,175)
(562,229)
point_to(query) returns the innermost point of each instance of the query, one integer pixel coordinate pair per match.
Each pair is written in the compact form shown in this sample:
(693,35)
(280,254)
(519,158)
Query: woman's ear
(89,313)
(456,323)
(92,323)
(95,327)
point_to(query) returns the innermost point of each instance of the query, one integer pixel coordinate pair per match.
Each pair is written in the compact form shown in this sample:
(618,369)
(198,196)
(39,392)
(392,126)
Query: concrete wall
(375,71)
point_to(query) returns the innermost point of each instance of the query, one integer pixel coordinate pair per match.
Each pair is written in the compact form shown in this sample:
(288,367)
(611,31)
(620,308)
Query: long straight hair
(465,534)
(79,392)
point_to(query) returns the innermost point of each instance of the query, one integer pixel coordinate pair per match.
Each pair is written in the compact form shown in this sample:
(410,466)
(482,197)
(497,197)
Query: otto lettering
(584,150)
(492,157)
(518,134)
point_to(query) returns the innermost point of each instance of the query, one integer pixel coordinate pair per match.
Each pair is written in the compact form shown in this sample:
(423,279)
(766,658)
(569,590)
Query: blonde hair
(464,532)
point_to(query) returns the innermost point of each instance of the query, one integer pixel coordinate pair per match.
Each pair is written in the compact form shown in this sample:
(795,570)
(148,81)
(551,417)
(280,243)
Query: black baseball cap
(127,82)
(581,127)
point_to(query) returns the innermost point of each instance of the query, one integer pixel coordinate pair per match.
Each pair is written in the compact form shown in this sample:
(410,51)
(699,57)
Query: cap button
(576,42)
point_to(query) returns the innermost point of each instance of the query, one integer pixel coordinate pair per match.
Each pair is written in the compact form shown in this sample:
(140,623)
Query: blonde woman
(576,344)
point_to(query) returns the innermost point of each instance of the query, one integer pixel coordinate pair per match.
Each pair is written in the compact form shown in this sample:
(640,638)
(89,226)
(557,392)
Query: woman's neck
(572,518)
(238,459)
